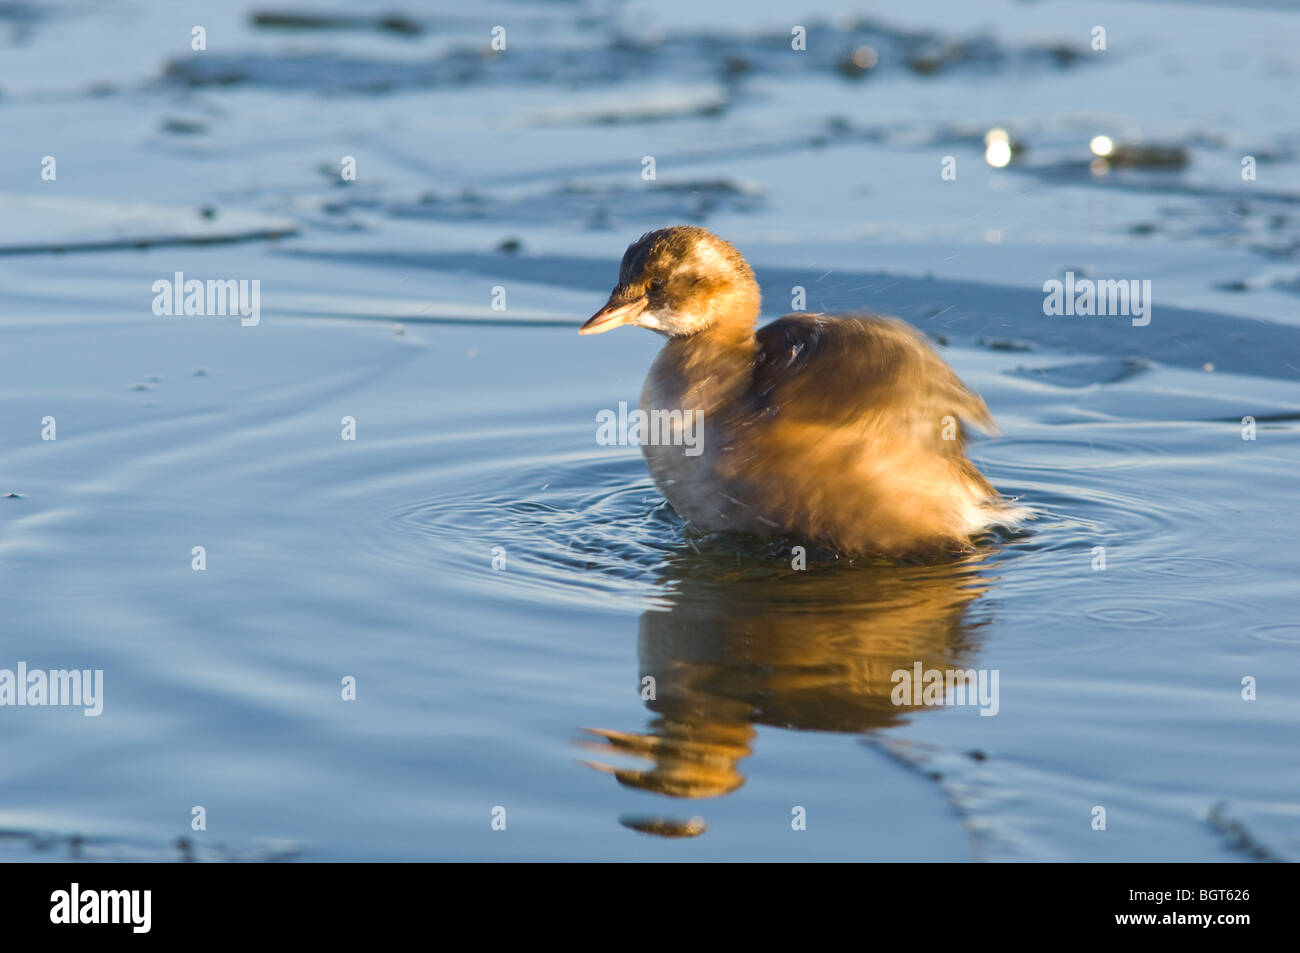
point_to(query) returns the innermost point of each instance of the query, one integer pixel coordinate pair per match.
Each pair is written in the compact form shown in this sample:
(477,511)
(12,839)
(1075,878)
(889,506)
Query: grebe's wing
(873,374)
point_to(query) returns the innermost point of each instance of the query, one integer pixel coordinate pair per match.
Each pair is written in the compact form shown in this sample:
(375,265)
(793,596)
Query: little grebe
(844,431)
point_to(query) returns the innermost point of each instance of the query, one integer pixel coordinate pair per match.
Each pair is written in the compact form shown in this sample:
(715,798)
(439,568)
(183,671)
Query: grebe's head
(679,281)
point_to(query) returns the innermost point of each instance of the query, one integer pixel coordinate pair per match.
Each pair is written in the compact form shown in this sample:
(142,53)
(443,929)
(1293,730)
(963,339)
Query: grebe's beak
(613,315)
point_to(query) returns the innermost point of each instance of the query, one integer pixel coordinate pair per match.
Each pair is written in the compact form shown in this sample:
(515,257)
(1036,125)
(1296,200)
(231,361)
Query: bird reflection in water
(811,650)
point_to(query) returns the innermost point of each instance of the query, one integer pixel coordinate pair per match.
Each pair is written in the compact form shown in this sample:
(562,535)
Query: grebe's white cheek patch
(664,321)
(675,323)
(653,320)
(668,320)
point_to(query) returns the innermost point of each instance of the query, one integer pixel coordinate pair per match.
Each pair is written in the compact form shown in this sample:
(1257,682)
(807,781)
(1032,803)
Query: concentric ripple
(593,528)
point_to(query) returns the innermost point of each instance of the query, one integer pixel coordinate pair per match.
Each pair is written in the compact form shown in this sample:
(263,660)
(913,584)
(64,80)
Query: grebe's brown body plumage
(840,430)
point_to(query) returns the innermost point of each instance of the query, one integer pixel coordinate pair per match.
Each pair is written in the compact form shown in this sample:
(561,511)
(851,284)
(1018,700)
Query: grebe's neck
(706,371)
(716,350)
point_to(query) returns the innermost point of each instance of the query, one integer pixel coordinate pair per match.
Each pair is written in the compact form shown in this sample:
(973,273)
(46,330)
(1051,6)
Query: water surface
(522,685)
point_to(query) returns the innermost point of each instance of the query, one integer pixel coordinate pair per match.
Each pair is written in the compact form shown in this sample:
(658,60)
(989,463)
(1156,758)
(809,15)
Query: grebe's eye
(656,284)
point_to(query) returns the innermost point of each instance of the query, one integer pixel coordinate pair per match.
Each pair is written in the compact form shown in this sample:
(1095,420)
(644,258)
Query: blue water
(520,686)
